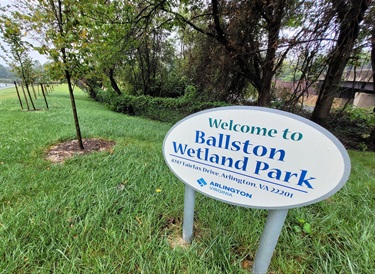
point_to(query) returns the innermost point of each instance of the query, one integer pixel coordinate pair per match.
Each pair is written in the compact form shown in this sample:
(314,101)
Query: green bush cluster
(355,127)
(156,108)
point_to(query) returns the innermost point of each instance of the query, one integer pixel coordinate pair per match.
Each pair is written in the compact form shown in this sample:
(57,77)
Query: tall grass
(121,211)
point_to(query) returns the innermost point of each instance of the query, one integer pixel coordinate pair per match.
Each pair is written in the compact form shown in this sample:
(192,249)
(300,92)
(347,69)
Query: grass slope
(121,211)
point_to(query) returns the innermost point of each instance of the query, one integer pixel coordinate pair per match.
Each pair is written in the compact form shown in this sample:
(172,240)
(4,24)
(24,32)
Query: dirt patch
(62,151)
(177,241)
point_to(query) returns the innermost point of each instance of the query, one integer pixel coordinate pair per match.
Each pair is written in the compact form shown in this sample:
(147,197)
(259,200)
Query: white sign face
(256,157)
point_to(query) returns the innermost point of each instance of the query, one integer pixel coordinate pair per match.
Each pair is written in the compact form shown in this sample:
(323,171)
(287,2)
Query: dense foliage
(157,108)
(212,51)
(354,127)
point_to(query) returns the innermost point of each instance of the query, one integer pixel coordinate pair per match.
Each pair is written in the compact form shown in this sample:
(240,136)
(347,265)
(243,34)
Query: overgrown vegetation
(355,128)
(121,211)
(157,108)
(229,51)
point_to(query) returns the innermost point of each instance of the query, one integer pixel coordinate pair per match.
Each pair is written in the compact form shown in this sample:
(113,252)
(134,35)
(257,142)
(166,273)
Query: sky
(34,55)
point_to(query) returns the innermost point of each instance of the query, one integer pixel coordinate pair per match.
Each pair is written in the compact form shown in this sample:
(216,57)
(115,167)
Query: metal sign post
(268,240)
(187,228)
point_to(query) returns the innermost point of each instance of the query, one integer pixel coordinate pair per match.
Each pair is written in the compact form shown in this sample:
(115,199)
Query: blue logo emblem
(202,182)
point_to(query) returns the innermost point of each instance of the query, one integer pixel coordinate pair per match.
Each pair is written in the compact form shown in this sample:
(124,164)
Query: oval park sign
(256,157)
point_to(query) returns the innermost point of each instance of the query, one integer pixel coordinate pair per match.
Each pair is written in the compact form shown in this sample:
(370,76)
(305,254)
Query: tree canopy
(215,50)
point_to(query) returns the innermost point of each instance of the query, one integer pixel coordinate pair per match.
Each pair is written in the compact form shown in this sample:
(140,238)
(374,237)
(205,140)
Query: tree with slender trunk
(350,14)
(110,72)
(17,55)
(59,19)
(62,26)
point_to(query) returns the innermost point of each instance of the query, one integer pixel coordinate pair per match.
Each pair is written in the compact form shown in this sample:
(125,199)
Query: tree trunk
(59,15)
(350,16)
(274,16)
(32,86)
(18,94)
(372,134)
(264,98)
(74,109)
(111,75)
(329,89)
(373,54)
(28,92)
(44,95)
(24,95)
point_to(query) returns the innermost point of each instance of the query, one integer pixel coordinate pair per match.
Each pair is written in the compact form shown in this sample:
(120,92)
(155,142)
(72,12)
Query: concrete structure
(364,100)
(359,86)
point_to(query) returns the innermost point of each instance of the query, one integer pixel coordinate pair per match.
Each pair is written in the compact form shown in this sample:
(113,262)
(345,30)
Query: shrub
(156,108)
(354,127)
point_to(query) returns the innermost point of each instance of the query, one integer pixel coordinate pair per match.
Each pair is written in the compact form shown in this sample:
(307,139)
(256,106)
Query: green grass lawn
(121,211)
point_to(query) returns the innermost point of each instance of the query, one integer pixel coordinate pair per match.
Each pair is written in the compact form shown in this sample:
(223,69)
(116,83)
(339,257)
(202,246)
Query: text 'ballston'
(245,149)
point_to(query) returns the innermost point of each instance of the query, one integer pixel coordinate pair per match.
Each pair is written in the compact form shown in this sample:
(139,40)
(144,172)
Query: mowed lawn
(121,211)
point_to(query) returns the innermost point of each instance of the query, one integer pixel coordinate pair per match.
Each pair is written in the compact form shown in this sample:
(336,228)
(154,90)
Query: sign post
(188,222)
(268,240)
(255,157)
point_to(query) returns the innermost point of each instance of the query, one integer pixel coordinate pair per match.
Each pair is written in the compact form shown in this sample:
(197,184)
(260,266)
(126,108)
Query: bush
(156,108)
(354,127)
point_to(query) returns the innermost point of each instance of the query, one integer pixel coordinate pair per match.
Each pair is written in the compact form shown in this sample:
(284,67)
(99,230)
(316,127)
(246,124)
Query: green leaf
(307,228)
(297,229)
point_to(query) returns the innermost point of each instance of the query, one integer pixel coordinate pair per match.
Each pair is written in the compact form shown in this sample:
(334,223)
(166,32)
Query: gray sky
(34,55)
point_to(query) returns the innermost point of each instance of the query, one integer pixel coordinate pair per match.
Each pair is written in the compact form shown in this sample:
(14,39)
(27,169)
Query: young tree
(17,56)
(61,24)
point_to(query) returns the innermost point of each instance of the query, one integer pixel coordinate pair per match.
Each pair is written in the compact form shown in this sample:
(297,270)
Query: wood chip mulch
(60,152)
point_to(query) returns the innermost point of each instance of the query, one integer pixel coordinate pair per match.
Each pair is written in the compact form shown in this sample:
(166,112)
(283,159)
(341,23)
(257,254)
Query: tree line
(213,50)
(6,73)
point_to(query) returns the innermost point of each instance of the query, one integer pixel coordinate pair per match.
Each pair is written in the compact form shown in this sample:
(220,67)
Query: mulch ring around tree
(60,152)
